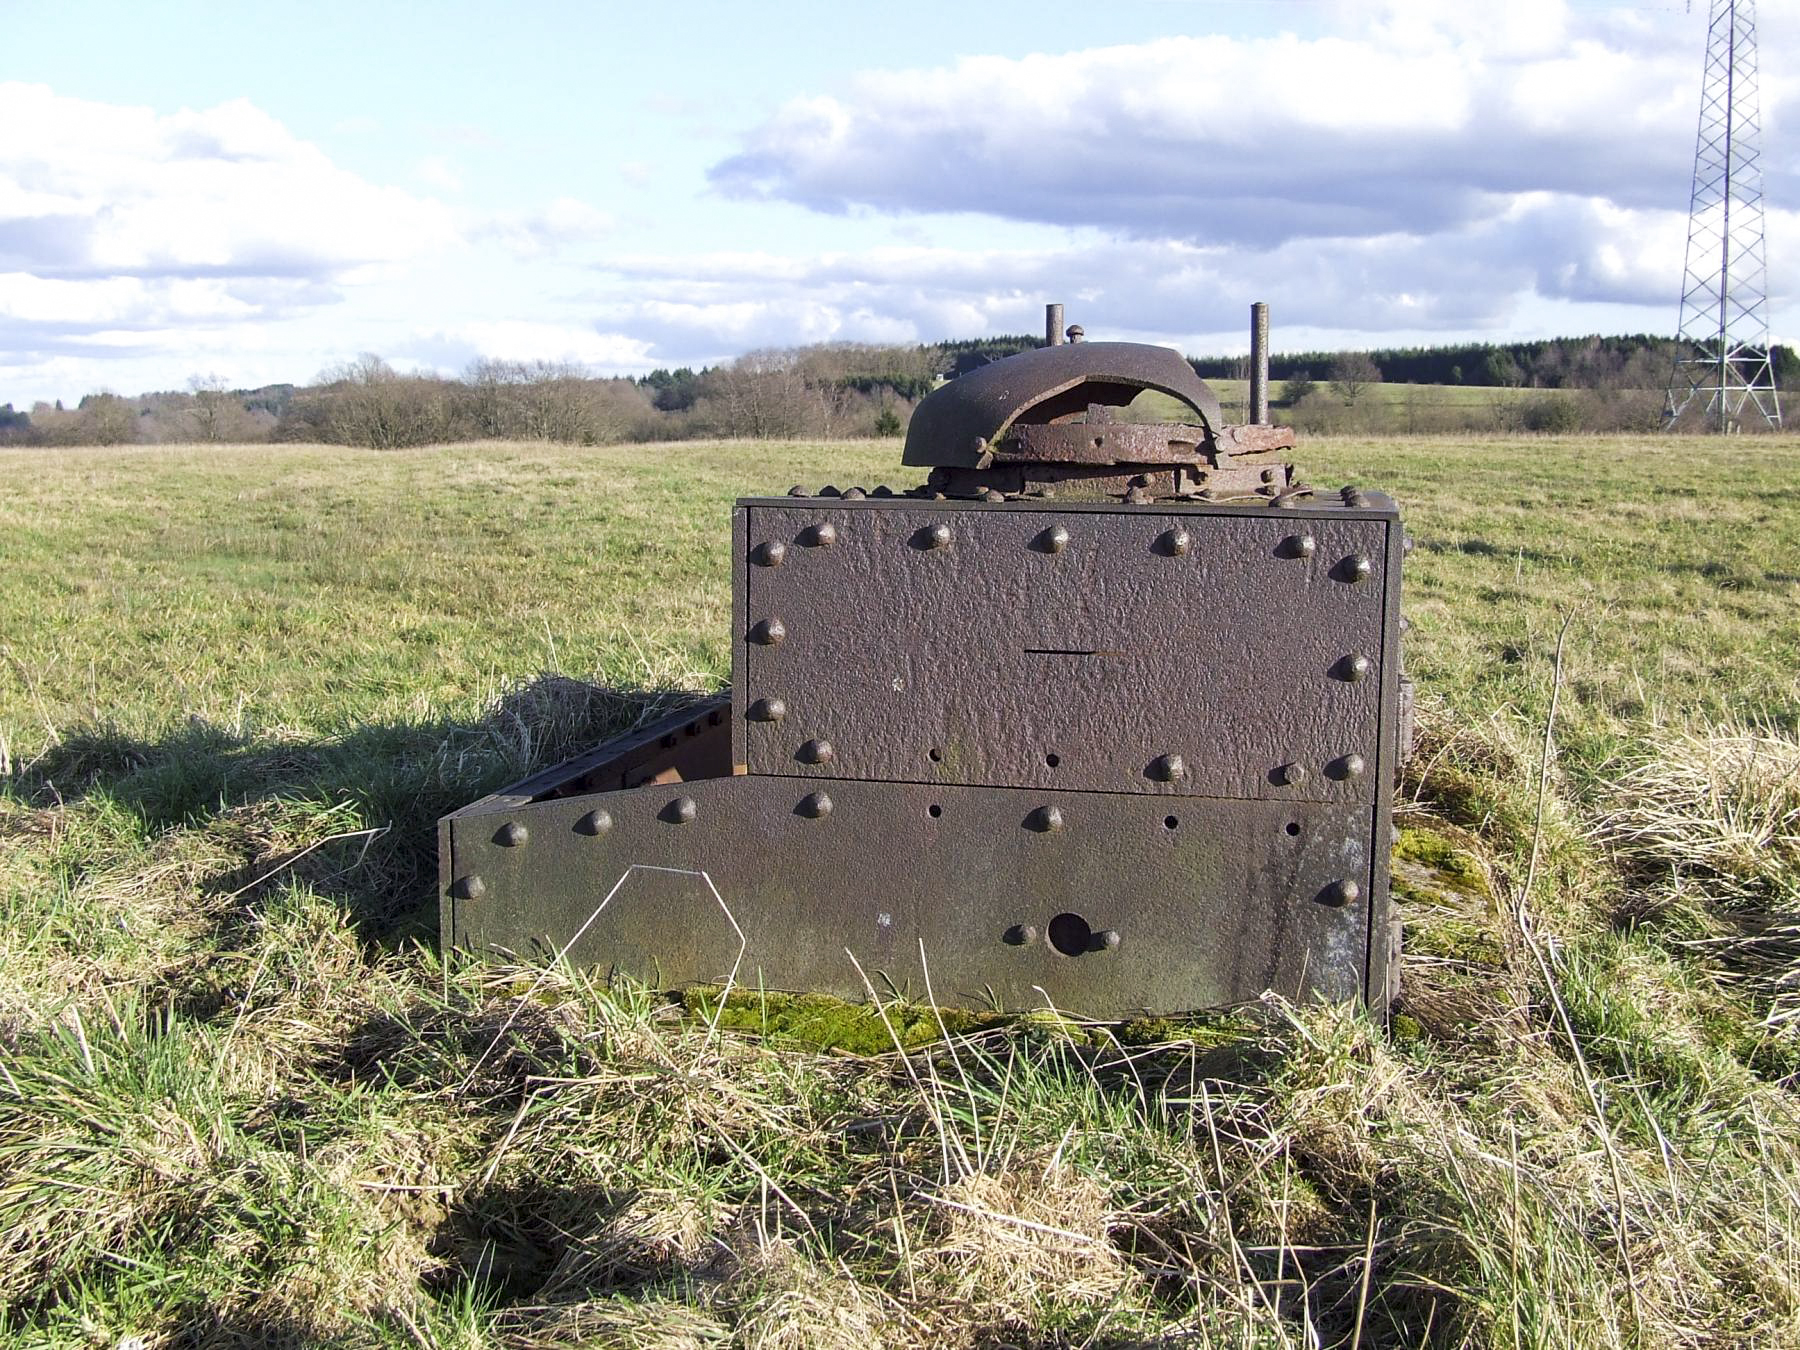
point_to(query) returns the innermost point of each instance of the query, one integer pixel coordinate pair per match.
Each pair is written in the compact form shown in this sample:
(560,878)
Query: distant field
(246,1104)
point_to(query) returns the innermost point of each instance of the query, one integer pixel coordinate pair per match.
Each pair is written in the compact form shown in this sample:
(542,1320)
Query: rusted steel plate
(1212,901)
(958,423)
(1072,649)
(1103,443)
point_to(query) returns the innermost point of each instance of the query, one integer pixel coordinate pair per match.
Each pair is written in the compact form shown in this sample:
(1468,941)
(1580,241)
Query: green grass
(243,1103)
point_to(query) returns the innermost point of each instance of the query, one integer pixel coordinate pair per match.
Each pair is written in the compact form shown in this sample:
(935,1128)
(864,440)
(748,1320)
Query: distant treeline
(1635,360)
(852,389)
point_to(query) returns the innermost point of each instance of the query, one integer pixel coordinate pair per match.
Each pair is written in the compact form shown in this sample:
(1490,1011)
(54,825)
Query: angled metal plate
(1212,901)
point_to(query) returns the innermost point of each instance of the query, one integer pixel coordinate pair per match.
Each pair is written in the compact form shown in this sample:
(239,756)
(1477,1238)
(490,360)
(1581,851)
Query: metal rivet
(1346,766)
(512,835)
(594,822)
(1045,820)
(829,491)
(1270,475)
(796,491)
(767,710)
(881,490)
(1299,546)
(1173,543)
(1023,934)
(768,632)
(1054,540)
(1290,775)
(815,805)
(980,445)
(819,536)
(937,536)
(470,887)
(1137,496)
(1108,938)
(769,553)
(1340,893)
(816,751)
(1353,668)
(1357,567)
(682,810)
(854,494)
(993,495)
(1167,768)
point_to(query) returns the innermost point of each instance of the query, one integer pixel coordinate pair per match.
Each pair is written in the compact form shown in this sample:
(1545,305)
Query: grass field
(241,1102)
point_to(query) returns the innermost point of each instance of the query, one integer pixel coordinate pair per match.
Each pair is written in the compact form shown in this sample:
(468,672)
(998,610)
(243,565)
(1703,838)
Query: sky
(257,193)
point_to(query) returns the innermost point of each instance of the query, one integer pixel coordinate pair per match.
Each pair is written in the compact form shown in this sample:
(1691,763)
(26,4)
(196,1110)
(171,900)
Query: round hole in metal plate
(1170,822)
(1293,827)
(934,810)
(934,754)
(1070,934)
(1053,759)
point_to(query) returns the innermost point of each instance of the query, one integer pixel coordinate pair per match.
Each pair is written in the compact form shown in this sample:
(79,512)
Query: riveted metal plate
(994,659)
(1212,901)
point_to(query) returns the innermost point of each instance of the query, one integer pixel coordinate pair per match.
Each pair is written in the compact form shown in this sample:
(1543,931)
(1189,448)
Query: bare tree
(1351,374)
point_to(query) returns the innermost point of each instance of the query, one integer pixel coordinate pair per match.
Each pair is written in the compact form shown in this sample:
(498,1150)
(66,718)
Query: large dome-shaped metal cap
(956,425)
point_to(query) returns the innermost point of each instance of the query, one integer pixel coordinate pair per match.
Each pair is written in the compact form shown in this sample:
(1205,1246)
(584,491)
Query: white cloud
(522,340)
(546,229)
(93,189)
(439,171)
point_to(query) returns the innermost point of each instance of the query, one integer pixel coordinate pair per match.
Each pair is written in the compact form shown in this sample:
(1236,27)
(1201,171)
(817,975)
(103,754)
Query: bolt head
(796,491)
(881,490)
(815,805)
(1270,475)
(993,495)
(1174,543)
(1027,933)
(938,535)
(768,632)
(854,494)
(769,553)
(1137,496)
(470,887)
(1300,546)
(767,710)
(594,822)
(512,835)
(1357,567)
(829,491)
(1354,667)
(1108,939)
(682,810)
(1290,775)
(1045,820)
(1348,766)
(1056,539)
(822,535)
(816,751)
(1167,768)
(1340,893)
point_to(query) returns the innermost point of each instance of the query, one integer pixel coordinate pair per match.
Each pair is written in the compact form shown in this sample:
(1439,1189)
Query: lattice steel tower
(1722,366)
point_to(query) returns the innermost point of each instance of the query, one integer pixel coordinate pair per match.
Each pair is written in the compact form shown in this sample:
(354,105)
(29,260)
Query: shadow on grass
(353,814)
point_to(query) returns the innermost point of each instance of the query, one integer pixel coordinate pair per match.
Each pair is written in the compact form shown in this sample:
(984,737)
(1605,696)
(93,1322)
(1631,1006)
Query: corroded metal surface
(1005,657)
(973,874)
(959,423)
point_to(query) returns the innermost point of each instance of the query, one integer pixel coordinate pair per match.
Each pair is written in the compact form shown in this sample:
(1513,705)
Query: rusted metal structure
(1104,714)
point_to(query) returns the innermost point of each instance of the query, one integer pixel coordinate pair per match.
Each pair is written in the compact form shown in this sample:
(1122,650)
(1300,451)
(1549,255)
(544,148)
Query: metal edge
(1379,508)
(1380,988)
(740,620)
(446,875)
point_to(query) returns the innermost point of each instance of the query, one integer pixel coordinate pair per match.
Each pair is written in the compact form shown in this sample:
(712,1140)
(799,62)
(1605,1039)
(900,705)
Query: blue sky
(259,192)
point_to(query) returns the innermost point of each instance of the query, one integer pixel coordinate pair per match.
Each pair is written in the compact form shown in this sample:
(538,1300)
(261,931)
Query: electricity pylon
(1722,363)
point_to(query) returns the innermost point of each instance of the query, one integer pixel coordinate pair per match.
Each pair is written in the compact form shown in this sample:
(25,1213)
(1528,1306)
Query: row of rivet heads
(1137,494)
(816,806)
(1163,769)
(1171,543)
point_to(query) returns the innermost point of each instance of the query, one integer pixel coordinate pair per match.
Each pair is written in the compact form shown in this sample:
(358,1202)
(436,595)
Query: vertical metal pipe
(1259,364)
(1053,332)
